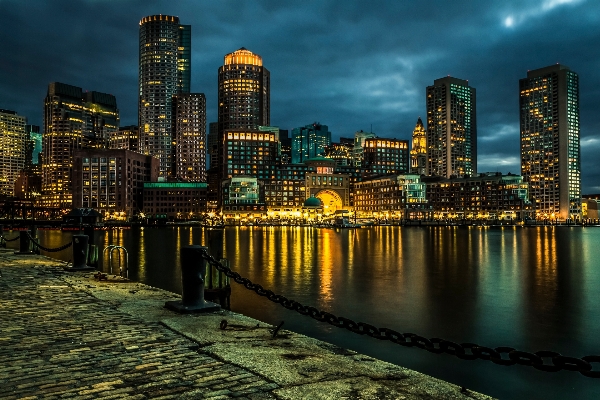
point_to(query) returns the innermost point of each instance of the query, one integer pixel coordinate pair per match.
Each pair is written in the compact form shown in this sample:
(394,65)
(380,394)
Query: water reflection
(530,288)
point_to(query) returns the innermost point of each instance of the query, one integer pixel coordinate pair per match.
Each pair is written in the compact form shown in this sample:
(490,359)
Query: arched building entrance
(331,201)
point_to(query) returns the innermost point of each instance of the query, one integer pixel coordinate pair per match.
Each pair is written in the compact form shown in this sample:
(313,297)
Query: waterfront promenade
(67,335)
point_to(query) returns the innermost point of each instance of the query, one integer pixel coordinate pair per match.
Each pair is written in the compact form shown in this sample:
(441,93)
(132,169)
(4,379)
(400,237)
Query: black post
(24,245)
(193,270)
(80,254)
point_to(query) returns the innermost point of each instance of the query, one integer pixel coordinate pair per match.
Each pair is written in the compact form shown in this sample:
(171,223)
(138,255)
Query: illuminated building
(33,147)
(451,128)
(391,197)
(175,200)
(189,137)
(164,70)
(550,161)
(385,156)
(359,141)
(13,140)
(212,143)
(28,185)
(251,153)
(111,180)
(309,142)
(73,120)
(341,152)
(285,145)
(486,196)
(332,189)
(418,152)
(285,193)
(243,199)
(128,138)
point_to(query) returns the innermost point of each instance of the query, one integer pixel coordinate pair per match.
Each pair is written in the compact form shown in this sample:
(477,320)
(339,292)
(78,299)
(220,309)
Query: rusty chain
(466,351)
(9,240)
(46,249)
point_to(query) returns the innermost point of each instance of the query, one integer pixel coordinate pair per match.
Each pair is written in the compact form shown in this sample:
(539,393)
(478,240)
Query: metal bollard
(24,244)
(193,270)
(80,254)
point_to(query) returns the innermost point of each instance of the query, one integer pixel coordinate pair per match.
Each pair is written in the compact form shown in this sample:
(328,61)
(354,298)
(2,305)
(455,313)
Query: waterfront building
(385,156)
(127,137)
(112,180)
(418,152)
(333,189)
(485,196)
(243,200)
(189,137)
(391,197)
(13,143)
(285,193)
(164,70)
(309,142)
(589,207)
(359,141)
(174,200)
(550,149)
(251,153)
(73,120)
(451,128)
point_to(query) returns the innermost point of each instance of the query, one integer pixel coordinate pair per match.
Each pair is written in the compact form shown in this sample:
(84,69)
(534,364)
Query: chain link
(465,351)
(9,240)
(46,249)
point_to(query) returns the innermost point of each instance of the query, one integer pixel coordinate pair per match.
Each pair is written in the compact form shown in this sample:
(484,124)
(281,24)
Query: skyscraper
(309,141)
(189,137)
(418,152)
(549,108)
(13,140)
(164,70)
(73,120)
(451,128)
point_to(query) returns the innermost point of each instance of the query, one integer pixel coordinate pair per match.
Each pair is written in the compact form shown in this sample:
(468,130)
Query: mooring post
(80,254)
(24,245)
(193,271)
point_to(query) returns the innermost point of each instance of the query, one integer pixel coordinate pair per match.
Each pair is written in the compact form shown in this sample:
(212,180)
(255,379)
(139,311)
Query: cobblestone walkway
(59,342)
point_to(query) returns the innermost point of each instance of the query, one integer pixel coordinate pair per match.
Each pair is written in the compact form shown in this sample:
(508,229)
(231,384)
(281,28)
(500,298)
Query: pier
(69,335)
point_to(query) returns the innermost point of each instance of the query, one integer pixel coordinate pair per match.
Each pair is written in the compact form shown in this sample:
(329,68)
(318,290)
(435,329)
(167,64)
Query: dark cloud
(350,65)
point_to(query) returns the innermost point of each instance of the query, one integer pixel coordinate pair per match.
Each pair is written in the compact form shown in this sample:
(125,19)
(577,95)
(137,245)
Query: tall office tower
(128,138)
(212,143)
(73,120)
(33,147)
(309,141)
(418,153)
(385,156)
(451,128)
(13,139)
(359,142)
(189,137)
(164,70)
(549,107)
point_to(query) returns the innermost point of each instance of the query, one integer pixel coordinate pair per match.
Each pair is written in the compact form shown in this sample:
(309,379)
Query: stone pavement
(65,335)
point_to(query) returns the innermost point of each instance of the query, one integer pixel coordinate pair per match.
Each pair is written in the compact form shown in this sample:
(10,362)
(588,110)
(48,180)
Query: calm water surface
(528,288)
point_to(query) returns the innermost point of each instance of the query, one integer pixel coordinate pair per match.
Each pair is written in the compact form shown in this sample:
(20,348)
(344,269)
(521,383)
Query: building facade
(111,181)
(418,152)
(250,153)
(13,150)
(309,142)
(189,137)
(128,138)
(485,196)
(164,70)
(359,142)
(451,128)
(390,197)
(550,149)
(174,200)
(385,156)
(73,120)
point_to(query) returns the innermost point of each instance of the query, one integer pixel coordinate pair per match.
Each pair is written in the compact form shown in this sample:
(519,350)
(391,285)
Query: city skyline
(346,72)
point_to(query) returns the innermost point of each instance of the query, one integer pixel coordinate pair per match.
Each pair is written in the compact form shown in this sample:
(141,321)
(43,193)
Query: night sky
(346,64)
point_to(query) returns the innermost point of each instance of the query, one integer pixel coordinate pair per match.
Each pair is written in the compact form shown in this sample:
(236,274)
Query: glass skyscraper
(164,70)
(309,142)
(13,139)
(550,162)
(451,128)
